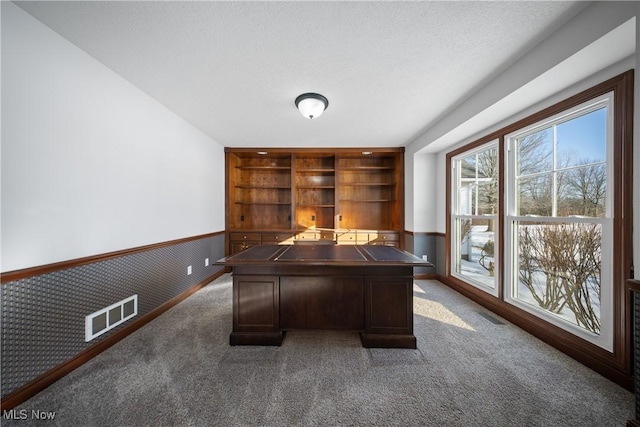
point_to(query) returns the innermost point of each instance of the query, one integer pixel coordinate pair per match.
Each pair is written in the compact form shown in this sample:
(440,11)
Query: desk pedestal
(377,301)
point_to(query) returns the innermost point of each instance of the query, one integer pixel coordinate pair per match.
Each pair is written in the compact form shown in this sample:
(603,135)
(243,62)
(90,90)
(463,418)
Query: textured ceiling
(233,69)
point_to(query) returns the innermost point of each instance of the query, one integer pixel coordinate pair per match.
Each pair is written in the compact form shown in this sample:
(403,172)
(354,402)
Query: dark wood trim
(45,380)
(617,365)
(63,265)
(399,195)
(633,285)
(227,196)
(623,270)
(425,233)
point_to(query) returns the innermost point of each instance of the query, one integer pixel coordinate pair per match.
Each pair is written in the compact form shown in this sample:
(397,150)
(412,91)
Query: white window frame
(605,338)
(455,208)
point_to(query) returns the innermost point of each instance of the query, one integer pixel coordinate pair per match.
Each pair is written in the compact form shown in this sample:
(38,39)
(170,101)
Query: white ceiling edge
(568,73)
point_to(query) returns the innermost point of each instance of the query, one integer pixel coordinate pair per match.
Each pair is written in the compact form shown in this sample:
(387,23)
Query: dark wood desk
(361,288)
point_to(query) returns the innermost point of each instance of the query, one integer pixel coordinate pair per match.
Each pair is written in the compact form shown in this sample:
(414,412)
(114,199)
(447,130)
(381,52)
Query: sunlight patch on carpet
(436,311)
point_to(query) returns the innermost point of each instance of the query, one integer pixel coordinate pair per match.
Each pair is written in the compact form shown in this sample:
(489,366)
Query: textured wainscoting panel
(441,243)
(43,316)
(423,244)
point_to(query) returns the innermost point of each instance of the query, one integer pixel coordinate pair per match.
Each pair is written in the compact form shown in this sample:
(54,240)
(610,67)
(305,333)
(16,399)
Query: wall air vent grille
(108,318)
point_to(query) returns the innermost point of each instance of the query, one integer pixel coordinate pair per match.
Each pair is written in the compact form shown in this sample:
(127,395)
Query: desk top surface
(324,255)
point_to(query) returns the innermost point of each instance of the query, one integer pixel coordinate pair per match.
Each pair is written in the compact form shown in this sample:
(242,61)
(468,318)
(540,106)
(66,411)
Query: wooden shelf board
(368,184)
(264,203)
(315,187)
(366,200)
(277,168)
(263,187)
(316,206)
(320,170)
(366,168)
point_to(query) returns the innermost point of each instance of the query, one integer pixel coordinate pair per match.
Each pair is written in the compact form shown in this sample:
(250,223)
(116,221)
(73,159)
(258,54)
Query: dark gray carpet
(471,369)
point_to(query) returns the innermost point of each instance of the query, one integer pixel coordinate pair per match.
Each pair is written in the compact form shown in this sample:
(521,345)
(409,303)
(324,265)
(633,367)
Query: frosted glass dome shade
(311,105)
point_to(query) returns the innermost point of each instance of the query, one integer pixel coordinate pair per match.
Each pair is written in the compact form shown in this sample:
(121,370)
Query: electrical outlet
(189,270)
(424,258)
(206,262)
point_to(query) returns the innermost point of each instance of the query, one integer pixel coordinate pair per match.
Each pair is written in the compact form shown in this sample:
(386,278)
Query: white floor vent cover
(108,318)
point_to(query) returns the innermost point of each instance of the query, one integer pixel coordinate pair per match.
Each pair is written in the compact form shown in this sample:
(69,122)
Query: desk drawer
(308,235)
(327,235)
(238,237)
(277,238)
(388,238)
(354,238)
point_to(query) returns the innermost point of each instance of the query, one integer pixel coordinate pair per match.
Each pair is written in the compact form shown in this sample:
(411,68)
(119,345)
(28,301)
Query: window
(475,210)
(559,226)
(539,225)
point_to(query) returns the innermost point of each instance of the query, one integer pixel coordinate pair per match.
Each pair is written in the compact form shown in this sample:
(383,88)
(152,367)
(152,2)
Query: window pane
(582,191)
(488,163)
(488,181)
(466,196)
(478,185)
(582,140)
(475,249)
(488,198)
(559,270)
(535,153)
(468,167)
(535,195)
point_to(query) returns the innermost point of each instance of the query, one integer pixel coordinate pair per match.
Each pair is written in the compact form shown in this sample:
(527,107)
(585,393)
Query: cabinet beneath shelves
(239,241)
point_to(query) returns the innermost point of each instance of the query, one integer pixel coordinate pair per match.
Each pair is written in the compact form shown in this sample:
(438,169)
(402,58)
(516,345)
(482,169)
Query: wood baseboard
(34,387)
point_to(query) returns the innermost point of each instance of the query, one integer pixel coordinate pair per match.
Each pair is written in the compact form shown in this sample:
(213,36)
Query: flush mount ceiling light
(311,105)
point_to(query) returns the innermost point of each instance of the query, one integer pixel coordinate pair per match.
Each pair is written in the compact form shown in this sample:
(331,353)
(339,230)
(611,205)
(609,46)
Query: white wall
(91,164)
(421,181)
(463,124)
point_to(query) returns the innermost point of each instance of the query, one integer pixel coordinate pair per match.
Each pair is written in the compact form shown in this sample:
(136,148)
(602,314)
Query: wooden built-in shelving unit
(323,195)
